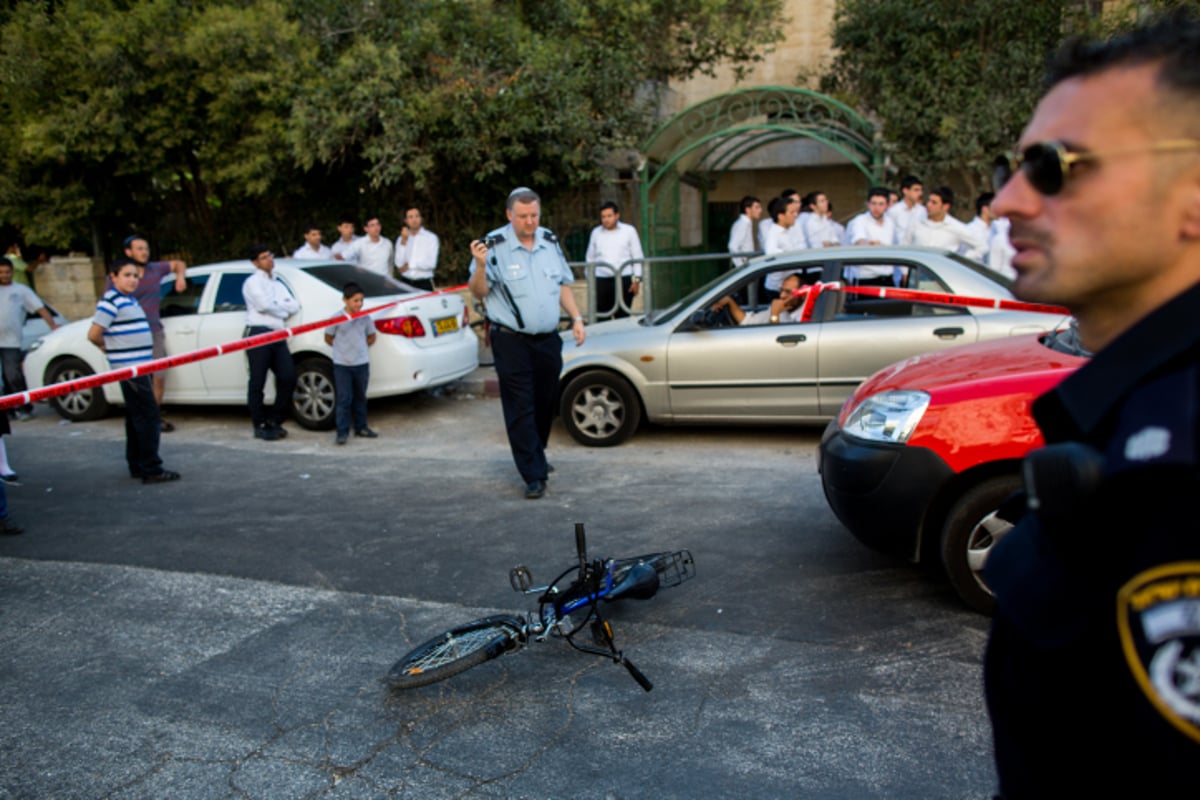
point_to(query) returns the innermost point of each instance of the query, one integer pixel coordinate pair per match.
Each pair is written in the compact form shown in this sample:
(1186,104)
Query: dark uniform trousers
(527,367)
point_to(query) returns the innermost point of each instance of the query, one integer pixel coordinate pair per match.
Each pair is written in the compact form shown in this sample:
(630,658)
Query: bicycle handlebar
(581,548)
(642,680)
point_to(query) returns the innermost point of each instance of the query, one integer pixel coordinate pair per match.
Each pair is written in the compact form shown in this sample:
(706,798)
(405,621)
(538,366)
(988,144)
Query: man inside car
(786,307)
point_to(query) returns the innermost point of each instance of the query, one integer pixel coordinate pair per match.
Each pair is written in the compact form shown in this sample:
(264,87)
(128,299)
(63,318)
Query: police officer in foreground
(1092,669)
(521,273)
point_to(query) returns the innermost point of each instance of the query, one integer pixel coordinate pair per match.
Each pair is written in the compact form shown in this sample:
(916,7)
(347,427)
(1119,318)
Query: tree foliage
(950,83)
(207,124)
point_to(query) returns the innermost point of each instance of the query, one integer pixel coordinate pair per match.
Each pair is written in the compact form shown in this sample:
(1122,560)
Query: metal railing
(663,276)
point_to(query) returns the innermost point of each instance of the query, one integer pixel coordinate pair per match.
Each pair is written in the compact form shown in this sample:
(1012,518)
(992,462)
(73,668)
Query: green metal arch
(707,139)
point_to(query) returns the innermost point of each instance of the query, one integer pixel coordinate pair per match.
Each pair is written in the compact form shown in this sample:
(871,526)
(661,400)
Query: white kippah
(520,190)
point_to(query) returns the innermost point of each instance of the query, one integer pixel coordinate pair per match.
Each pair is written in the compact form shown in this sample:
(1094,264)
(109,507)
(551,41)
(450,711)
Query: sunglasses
(1046,165)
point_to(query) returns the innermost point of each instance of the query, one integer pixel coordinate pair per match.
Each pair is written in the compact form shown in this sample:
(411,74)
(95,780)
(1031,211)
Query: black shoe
(367,433)
(549,468)
(341,438)
(280,431)
(535,489)
(10,478)
(166,476)
(267,433)
(166,427)
(10,528)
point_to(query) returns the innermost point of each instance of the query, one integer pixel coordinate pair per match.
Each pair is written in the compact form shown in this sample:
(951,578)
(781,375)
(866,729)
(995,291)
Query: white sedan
(423,342)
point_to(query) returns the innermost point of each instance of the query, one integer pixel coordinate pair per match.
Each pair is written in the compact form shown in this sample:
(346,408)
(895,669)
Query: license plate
(445,325)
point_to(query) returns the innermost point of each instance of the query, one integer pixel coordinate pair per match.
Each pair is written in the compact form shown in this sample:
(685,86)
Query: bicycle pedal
(602,633)
(520,578)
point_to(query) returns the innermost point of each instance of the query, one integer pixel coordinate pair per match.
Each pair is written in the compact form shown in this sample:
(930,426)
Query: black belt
(504,329)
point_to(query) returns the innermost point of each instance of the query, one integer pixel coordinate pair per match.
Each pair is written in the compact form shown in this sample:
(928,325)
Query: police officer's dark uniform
(1100,586)
(524,292)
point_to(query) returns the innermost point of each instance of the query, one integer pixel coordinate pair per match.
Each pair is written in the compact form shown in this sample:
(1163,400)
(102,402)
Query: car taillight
(402,326)
(466,320)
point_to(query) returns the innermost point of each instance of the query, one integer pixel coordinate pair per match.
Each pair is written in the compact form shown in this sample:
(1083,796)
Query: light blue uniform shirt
(533,278)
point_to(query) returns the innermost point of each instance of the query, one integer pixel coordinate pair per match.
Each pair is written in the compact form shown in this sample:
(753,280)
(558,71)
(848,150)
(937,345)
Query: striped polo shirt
(127,338)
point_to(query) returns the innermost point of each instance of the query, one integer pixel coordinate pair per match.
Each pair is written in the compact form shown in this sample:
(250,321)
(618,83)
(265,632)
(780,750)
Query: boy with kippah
(351,366)
(121,330)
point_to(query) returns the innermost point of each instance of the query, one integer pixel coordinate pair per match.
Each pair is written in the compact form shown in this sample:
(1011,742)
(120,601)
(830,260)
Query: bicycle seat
(639,582)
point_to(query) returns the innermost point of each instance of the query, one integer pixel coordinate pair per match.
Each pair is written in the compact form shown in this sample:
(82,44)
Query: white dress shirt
(903,217)
(949,234)
(305,250)
(782,240)
(820,231)
(375,256)
(420,252)
(345,249)
(864,227)
(615,247)
(1001,251)
(741,238)
(268,301)
(984,232)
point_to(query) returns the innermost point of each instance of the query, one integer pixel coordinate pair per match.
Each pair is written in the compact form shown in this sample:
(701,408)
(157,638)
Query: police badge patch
(1158,618)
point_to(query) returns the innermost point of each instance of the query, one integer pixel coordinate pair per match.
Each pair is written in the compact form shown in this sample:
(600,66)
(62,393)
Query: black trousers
(606,300)
(143,426)
(275,358)
(418,283)
(527,368)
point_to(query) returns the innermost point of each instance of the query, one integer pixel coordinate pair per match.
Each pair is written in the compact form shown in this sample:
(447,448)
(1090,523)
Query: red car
(923,453)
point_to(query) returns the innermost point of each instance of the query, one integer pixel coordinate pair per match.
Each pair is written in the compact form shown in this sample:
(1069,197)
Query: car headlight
(887,416)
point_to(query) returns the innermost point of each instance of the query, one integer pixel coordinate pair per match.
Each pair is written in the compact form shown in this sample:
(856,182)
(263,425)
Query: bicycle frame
(591,582)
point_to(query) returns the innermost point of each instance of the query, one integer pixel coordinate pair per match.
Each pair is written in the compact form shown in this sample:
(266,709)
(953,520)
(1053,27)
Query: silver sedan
(685,364)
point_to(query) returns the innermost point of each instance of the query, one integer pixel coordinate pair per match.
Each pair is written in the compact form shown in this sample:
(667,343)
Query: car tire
(313,401)
(600,409)
(82,406)
(968,535)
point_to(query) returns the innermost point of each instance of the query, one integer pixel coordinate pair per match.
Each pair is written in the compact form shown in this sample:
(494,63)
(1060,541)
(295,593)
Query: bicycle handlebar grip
(642,680)
(580,544)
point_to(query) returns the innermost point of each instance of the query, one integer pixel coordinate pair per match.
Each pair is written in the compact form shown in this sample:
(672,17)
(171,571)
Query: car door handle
(948,333)
(791,338)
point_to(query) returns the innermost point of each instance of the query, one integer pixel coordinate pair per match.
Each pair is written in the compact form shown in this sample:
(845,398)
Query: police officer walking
(1092,669)
(521,273)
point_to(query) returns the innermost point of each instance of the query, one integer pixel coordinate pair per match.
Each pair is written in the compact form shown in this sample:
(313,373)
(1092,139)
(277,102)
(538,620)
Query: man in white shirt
(312,248)
(940,229)
(371,252)
(787,307)
(981,226)
(346,238)
(16,301)
(909,209)
(1000,249)
(818,226)
(615,243)
(268,304)
(416,251)
(741,235)
(783,237)
(872,227)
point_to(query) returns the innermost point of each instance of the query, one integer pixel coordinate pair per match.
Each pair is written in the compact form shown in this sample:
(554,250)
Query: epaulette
(550,237)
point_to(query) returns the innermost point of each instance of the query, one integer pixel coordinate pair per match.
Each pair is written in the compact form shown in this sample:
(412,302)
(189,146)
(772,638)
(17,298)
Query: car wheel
(971,530)
(600,409)
(84,405)
(313,400)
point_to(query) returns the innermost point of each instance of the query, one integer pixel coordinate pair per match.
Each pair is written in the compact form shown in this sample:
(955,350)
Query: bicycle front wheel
(455,651)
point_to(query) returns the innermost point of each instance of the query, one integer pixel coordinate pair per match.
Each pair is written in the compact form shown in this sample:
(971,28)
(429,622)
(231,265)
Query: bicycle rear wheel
(455,651)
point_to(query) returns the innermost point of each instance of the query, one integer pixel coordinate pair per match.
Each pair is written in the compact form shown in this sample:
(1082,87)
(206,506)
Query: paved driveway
(226,636)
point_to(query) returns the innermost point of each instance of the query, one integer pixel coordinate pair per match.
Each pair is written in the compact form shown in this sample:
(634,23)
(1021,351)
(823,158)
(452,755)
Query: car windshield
(373,284)
(660,315)
(980,269)
(1066,340)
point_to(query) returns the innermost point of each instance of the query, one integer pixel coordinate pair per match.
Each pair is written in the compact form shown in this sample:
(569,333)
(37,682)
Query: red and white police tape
(159,364)
(811,292)
(917,296)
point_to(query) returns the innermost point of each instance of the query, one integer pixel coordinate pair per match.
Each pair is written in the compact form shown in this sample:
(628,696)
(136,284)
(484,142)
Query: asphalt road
(227,635)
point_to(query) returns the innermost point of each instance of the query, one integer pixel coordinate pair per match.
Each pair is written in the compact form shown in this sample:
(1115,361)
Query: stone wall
(71,284)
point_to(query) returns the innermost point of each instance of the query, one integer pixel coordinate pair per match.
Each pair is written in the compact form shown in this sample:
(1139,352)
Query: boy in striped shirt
(120,329)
